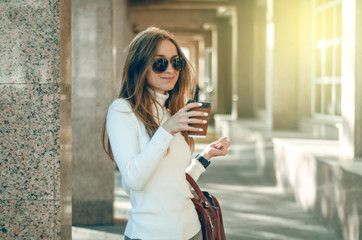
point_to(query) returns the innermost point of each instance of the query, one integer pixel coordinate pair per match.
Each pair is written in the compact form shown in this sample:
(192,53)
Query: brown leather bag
(209,212)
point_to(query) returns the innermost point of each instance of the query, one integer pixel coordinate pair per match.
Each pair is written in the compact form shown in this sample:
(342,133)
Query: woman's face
(165,81)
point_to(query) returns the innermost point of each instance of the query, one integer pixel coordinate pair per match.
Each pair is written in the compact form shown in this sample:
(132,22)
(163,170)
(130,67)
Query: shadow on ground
(253,207)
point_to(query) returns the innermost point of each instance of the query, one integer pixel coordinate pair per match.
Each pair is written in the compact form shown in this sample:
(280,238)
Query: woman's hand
(217,148)
(181,120)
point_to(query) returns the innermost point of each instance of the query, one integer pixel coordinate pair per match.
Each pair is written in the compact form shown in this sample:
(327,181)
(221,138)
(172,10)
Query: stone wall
(35,143)
(321,183)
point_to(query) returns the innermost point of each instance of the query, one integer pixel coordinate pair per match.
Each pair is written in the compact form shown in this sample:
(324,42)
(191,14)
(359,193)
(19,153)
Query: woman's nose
(170,68)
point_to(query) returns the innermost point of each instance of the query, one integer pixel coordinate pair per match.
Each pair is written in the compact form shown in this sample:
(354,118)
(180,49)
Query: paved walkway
(253,208)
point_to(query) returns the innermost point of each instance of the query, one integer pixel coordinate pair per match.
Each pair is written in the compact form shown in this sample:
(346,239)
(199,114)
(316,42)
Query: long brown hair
(139,57)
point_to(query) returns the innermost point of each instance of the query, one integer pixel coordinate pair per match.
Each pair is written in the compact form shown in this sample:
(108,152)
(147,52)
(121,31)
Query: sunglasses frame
(178,63)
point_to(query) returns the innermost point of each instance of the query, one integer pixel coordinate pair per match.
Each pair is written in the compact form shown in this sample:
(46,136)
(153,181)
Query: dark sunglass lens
(160,65)
(178,64)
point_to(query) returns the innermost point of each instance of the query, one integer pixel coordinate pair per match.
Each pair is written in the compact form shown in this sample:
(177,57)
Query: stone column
(259,58)
(224,78)
(358,87)
(245,43)
(35,143)
(305,57)
(351,78)
(284,76)
(96,63)
(122,36)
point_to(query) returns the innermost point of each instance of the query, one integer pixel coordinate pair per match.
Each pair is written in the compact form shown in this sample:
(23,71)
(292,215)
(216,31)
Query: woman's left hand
(217,148)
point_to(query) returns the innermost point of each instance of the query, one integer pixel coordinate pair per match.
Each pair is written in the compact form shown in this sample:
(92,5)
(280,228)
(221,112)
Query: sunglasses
(160,65)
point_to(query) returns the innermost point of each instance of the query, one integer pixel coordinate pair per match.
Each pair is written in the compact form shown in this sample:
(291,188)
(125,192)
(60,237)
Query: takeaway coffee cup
(205,107)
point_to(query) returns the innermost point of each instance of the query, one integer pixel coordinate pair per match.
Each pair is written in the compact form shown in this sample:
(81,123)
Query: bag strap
(197,190)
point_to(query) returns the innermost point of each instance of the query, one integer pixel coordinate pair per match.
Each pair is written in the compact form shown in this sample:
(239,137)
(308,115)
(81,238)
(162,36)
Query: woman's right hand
(181,120)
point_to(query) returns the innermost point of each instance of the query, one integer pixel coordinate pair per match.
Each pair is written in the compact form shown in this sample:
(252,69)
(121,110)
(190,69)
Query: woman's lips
(167,78)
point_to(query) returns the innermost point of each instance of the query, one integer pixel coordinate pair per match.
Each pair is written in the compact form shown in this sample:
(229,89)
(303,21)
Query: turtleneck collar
(159,109)
(161,98)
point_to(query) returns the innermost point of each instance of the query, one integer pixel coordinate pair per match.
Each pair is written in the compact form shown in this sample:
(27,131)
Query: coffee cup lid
(204,104)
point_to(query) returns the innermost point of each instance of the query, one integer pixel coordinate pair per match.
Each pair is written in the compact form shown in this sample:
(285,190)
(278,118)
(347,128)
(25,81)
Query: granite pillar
(95,63)
(35,98)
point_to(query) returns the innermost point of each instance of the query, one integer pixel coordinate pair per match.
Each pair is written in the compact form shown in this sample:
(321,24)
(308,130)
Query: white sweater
(154,179)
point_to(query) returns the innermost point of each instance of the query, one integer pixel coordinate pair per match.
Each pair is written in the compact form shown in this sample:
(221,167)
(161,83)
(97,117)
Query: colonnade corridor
(253,207)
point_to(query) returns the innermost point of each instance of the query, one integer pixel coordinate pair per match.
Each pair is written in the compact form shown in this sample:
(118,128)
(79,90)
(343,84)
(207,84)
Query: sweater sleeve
(195,169)
(136,166)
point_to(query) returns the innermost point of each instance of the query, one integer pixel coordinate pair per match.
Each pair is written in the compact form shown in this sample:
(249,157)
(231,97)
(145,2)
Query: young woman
(147,129)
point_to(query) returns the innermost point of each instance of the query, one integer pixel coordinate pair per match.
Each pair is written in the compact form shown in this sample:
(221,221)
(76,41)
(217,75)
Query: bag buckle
(205,204)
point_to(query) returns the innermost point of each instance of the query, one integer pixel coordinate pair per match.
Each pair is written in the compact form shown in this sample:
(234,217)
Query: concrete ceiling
(188,16)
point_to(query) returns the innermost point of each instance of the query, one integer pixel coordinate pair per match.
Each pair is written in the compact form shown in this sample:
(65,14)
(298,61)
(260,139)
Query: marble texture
(30,148)
(31,41)
(33,86)
(22,219)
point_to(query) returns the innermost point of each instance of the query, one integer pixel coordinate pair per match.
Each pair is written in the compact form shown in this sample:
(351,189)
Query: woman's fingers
(218,145)
(195,114)
(191,105)
(192,117)
(183,118)
(194,129)
(222,144)
(223,140)
(196,121)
